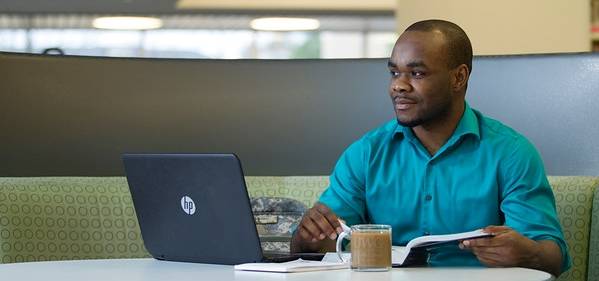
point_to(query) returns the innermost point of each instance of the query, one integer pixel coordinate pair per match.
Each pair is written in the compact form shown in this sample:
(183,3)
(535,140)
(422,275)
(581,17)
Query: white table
(150,269)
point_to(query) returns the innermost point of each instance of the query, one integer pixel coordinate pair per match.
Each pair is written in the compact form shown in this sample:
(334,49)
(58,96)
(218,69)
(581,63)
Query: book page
(435,239)
(430,240)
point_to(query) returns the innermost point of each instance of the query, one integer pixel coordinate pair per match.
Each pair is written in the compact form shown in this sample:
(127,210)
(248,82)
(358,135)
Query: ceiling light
(127,23)
(284,24)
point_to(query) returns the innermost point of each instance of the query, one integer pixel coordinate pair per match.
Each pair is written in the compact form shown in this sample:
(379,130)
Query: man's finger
(480,242)
(324,225)
(331,217)
(310,226)
(304,233)
(487,251)
(496,229)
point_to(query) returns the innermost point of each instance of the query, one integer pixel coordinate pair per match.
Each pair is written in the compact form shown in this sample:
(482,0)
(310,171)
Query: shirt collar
(468,125)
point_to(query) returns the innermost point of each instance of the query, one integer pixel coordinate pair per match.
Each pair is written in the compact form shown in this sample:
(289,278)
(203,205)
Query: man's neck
(435,134)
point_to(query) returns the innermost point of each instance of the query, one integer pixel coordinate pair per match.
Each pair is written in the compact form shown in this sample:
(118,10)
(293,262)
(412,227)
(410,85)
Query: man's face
(420,86)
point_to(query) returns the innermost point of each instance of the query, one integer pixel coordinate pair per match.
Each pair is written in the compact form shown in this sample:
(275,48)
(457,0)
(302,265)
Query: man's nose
(401,85)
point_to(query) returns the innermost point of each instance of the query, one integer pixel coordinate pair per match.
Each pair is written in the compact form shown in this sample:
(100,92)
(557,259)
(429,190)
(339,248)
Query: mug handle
(342,235)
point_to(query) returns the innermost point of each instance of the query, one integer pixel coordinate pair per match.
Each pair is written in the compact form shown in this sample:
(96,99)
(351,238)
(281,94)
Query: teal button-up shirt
(485,174)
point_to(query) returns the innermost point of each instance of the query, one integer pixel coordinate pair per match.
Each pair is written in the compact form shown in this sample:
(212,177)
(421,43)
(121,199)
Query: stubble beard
(435,113)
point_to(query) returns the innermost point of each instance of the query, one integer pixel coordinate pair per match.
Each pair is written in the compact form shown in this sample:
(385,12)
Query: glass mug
(370,247)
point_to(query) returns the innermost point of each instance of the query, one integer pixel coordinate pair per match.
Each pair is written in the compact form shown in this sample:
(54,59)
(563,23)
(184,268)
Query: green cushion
(574,199)
(306,189)
(594,249)
(60,218)
(63,218)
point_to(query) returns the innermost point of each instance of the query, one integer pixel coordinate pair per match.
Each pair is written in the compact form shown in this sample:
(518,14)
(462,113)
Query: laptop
(195,208)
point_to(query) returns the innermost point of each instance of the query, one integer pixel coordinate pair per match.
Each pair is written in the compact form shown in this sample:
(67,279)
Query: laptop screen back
(193,207)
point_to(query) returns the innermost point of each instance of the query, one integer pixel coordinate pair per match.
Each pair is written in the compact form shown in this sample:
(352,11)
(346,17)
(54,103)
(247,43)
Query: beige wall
(509,26)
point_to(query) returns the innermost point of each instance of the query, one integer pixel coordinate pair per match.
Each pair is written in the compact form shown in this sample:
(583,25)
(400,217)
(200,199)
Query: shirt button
(428,197)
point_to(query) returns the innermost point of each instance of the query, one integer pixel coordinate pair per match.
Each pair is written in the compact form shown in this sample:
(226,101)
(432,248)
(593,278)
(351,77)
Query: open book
(415,252)
(405,255)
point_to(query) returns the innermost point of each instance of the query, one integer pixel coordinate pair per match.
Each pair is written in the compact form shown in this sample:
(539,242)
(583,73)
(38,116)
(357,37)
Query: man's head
(430,66)
(459,48)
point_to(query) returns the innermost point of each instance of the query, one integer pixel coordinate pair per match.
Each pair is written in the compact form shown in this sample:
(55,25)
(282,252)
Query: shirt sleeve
(527,202)
(345,194)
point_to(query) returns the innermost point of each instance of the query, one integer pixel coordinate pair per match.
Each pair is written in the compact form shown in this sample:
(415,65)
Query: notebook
(195,208)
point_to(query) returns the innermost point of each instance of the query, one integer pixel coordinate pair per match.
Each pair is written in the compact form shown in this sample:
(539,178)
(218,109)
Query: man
(442,168)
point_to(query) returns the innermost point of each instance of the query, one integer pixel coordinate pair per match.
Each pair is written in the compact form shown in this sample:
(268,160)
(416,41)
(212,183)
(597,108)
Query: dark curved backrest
(76,115)
(551,99)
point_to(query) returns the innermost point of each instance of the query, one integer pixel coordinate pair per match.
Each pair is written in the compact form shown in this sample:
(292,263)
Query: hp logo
(189,207)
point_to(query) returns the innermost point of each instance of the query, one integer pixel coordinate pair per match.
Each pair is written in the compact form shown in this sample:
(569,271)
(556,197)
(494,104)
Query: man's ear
(460,78)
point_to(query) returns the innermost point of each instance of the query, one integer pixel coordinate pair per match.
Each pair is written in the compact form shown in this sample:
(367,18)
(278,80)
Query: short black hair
(459,48)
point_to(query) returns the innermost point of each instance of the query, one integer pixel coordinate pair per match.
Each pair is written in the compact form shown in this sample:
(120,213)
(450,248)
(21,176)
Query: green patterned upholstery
(61,218)
(593,274)
(574,201)
(57,218)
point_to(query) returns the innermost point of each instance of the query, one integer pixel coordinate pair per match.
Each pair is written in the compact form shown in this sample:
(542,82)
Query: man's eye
(394,73)
(418,73)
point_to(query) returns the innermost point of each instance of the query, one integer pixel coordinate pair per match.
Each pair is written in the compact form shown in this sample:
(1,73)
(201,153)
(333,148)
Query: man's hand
(317,230)
(510,248)
(506,248)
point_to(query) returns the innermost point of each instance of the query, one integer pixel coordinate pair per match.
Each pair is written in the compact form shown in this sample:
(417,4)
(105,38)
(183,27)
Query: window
(197,36)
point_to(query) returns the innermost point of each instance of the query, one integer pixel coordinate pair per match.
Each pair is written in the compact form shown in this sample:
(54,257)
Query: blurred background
(232,29)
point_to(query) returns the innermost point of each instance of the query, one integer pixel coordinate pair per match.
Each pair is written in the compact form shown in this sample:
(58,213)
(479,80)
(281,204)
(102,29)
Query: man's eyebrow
(411,64)
(416,64)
